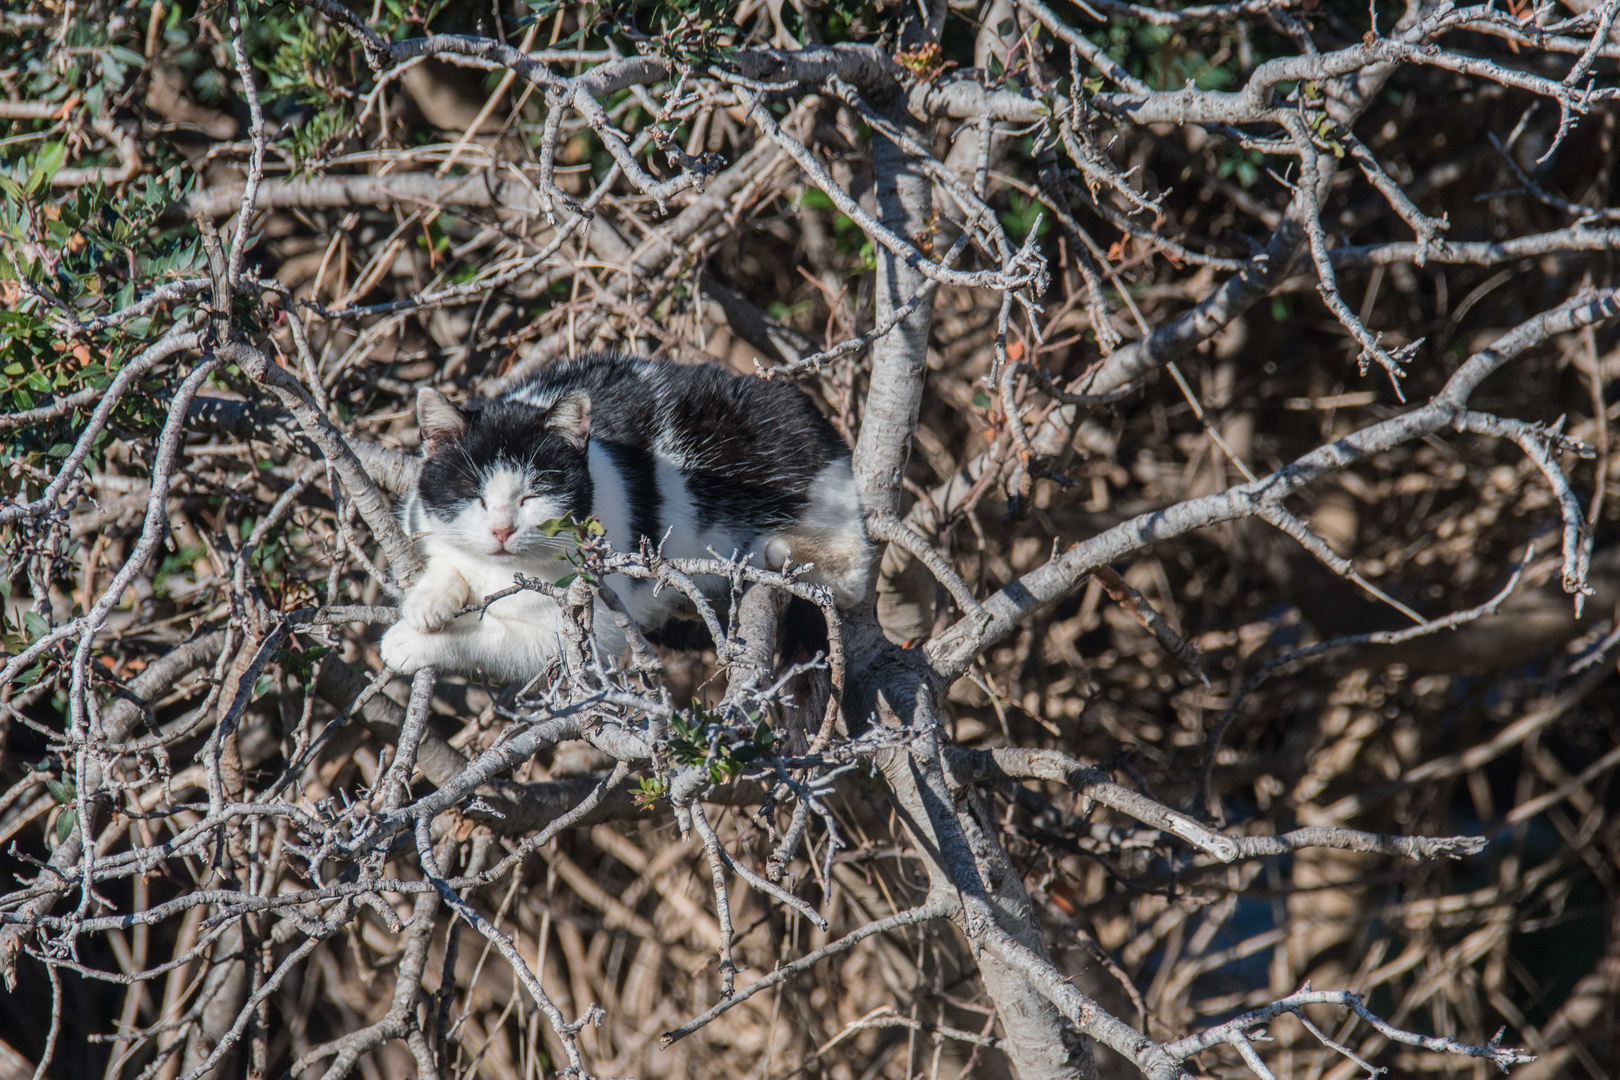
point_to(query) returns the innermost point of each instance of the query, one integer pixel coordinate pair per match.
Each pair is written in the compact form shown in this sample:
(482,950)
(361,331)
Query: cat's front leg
(408,650)
(502,649)
(421,638)
(435,598)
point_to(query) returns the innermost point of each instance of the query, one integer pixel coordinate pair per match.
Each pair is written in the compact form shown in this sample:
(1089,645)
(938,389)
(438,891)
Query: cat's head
(494,474)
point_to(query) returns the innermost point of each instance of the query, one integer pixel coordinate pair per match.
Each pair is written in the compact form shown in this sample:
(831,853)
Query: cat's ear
(571,418)
(440,422)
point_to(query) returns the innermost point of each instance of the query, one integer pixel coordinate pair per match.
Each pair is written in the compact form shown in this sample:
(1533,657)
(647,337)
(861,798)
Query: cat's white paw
(777,553)
(408,650)
(432,604)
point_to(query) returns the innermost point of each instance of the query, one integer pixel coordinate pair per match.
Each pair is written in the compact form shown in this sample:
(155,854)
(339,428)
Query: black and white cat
(693,457)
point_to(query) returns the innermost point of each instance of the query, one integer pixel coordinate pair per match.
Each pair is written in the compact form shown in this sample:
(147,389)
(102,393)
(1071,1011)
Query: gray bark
(1040,1043)
(899,360)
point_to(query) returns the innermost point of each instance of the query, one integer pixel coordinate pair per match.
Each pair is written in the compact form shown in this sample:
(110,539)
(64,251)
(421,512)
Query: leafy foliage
(703,738)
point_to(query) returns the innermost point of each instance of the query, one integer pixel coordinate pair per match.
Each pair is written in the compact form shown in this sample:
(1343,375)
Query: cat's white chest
(512,639)
(488,577)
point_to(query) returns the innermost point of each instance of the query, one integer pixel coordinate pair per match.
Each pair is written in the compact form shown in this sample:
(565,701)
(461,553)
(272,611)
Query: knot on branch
(254,363)
(1445,847)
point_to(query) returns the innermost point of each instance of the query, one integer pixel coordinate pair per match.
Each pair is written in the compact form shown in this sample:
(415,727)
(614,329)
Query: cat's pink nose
(503,534)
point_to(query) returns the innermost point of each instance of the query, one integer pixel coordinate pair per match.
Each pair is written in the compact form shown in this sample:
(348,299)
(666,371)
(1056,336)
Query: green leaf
(50,159)
(64,825)
(62,790)
(816,199)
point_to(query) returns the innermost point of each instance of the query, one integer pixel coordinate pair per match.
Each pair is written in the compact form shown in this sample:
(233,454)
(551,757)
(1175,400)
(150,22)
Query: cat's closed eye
(531,497)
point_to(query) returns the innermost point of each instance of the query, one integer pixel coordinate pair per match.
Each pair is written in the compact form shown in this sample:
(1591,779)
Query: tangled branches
(1030,796)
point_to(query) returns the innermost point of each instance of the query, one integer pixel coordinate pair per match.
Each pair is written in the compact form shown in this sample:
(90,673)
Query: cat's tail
(801,637)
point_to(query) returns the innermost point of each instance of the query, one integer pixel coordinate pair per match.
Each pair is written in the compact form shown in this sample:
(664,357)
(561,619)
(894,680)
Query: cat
(695,458)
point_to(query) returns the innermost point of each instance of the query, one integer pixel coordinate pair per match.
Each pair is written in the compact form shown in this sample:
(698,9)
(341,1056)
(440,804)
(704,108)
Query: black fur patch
(749,448)
(639,471)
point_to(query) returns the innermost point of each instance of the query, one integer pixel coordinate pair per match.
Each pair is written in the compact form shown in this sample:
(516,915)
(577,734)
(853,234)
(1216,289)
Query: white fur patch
(610,504)
(830,534)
